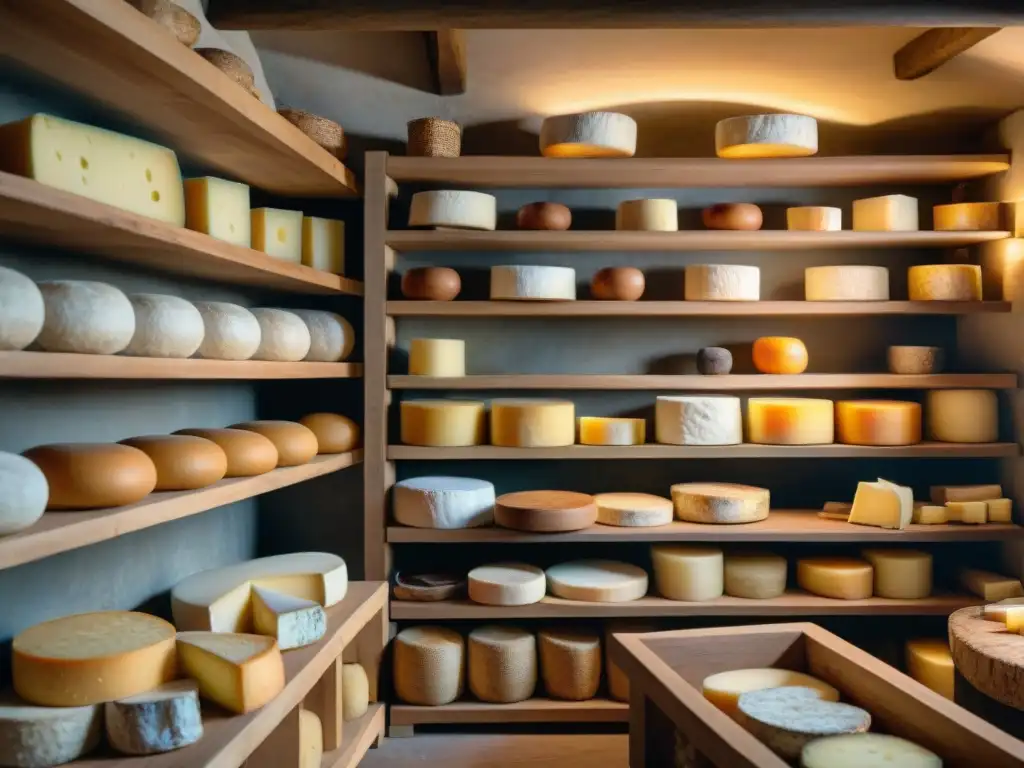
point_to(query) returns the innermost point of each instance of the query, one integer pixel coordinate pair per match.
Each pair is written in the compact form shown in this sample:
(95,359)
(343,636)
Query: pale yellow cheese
(930,514)
(721,282)
(442,423)
(355,691)
(429,665)
(720,503)
(846,282)
(931,664)
(725,688)
(660,215)
(962,415)
(278,233)
(814,218)
(789,421)
(901,574)
(867,750)
(940,494)
(219,208)
(970,512)
(755,575)
(311,740)
(570,663)
(323,244)
(1000,510)
(888,213)
(688,572)
(967,217)
(502,663)
(842,578)
(990,587)
(239,672)
(533,423)
(944,282)
(633,510)
(506,584)
(601,430)
(294,622)
(437,357)
(1013,618)
(597,581)
(882,504)
(878,422)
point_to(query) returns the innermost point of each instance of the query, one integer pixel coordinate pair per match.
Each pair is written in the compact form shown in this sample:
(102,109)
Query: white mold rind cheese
(722,282)
(532,283)
(755,136)
(160,720)
(23,493)
(331,335)
(165,326)
(461,209)
(588,134)
(855,282)
(284,337)
(294,622)
(231,332)
(85,317)
(698,420)
(21,310)
(42,737)
(443,502)
(506,584)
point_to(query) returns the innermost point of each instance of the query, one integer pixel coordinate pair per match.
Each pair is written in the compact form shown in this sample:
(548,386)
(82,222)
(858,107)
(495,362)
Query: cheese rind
(867,750)
(722,282)
(443,502)
(457,208)
(900,574)
(967,217)
(720,503)
(42,737)
(331,337)
(930,662)
(962,415)
(883,505)
(878,422)
(725,688)
(841,578)
(183,462)
(157,721)
(239,672)
(295,443)
(848,282)
(502,664)
(588,134)
(278,233)
(688,572)
(814,218)
(520,282)
(248,453)
(649,215)
(231,332)
(93,475)
(776,135)
(442,423)
(990,587)
(888,213)
(533,423)
(940,494)
(323,244)
(601,430)
(284,337)
(22,310)
(506,584)
(165,326)
(437,357)
(597,581)
(429,665)
(755,575)
(85,317)
(944,282)
(293,621)
(219,208)
(355,691)
(570,663)
(633,510)
(698,420)
(789,421)
(23,493)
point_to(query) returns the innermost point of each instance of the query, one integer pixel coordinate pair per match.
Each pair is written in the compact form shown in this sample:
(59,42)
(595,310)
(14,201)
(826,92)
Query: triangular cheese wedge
(239,672)
(294,621)
(882,504)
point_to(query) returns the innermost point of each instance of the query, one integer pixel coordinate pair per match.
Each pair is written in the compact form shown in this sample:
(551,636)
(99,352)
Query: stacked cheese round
(842,578)
(867,750)
(22,310)
(428,665)
(755,576)
(183,462)
(962,415)
(40,737)
(284,337)
(502,664)
(698,420)
(296,444)
(597,581)
(901,574)
(722,282)
(965,217)
(506,584)
(331,335)
(633,510)
(85,317)
(688,571)
(930,662)
(334,433)
(437,357)
(23,493)
(725,688)
(856,282)
(517,282)
(442,423)
(570,663)
(532,423)
(165,326)
(758,136)
(814,218)
(457,208)
(248,453)
(443,502)
(157,721)
(588,134)
(654,215)
(93,475)
(878,422)
(789,421)
(601,430)
(231,332)
(719,503)
(944,282)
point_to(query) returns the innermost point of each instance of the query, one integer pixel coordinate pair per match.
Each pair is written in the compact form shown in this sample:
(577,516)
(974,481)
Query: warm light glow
(583,150)
(755,150)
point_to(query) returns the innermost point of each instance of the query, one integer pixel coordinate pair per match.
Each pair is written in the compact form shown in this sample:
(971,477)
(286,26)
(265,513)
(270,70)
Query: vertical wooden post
(325,701)
(367,649)
(651,733)
(281,748)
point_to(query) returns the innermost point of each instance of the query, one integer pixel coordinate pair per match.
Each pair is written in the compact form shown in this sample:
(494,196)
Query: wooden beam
(930,50)
(446,52)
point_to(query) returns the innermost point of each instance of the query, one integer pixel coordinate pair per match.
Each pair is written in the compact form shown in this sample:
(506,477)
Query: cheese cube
(930,514)
(218,208)
(278,233)
(973,512)
(882,504)
(1014,618)
(888,213)
(323,244)
(990,587)
(1000,510)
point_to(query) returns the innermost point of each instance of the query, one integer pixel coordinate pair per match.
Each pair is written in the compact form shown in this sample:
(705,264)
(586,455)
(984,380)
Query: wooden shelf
(664,173)
(63,531)
(790,525)
(791,604)
(743,451)
(529,711)
(698,383)
(688,308)
(107,51)
(62,365)
(229,739)
(31,212)
(603,240)
(356,739)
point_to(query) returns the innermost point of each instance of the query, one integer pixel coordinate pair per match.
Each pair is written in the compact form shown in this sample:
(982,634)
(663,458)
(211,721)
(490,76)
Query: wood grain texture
(359,735)
(988,656)
(530,711)
(502,751)
(446,52)
(930,50)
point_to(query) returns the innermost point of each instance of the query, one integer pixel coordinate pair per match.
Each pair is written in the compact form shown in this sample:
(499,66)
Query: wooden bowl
(231,65)
(618,284)
(327,133)
(431,284)
(544,216)
(178,21)
(735,216)
(429,587)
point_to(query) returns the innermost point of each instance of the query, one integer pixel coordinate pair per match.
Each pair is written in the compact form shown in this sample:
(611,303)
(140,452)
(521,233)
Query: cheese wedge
(882,504)
(239,672)
(293,621)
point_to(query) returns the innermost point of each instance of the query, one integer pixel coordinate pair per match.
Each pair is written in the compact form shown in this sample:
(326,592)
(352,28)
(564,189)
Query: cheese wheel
(85,317)
(878,422)
(990,587)
(231,332)
(544,215)
(888,213)
(296,444)
(545,511)
(90,658)
(443,502)
(601,430)
(725,688)
(597,581)
(355,691)
(780,354)
(789,421)
(502,664)
(283,335)
(1000,510)
(751,136)
(311,739)
(814,218)
(733,216)
(240,672)
(506,584)
(41,737)
(156,721)
(617,284)
(722,282)
(931,664)
(633,510)
(570,663)
(688,572)
(849,282)
(22,310)
(720,503)
(23,493)
(532,423)
(334,433)
(437,357)
(457,208)
(331,337)
(940,494)
(929,514)
(442,423)
(698,420)
(867,750)
(944,282)
(651,215)
(967,217)
(183,462)
(755,575)
(900,574)
(915,361)
(165,326)
(431,283)
(842,578)
(93,475)
(962,416)
(588,134)
(429,665)
(519,282)
(248,453)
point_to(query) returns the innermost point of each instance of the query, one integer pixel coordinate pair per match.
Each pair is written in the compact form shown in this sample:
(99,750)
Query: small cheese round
(964,217)
(437,357)
(930,662)
(790,421)
(506,584)
(22,310)
(900,574)
(93,475)
(42,737)
(814,218)
(165,326)
(757,136)
(283,335)
(23,493)
(248,453)
(457,208)
(588,134)
(962,415)
(944,282)
(157,721)
(428,665)
(334,433)
(725,688)
(431,283)
(734,216)
(780,355)
(532,423)
(698,420)
(231,331)
(617,284)
(183,462)
(544,215)
(603,430)
(545,511)
(502,664)
(755,575)
(842,578)
(856,282)
(915,361)
(85,317)
(331,337)
(355,691)
(720,503)
(295,443)
(633,510)
(570,663)
(714,361)
(722,282)
(442,423)
(598,581)
(648,215)
(443,502)
(520,282)
(688,572)
(878,422)
(866,750)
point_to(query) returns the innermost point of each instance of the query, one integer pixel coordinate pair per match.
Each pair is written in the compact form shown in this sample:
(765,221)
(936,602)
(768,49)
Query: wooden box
(666,669)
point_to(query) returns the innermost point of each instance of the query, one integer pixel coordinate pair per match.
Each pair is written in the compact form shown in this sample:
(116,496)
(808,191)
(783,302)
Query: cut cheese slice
(940,494)
(601,430)
(22,310)
(756,136)
(814,218)
(842,578)
(867,750)
(882,504)
(944,282)
(967,217)
(85,317)
(284,337)
(725,688)
(278,233)
(248,453)
(969,512)
(722,282)
(23,493)
(998,611)
(323,244)
(633,510)
(1000,510)
(532,283)
(219,208)
(183,462)
(656,215)
(688,572)
(355,691)
(231,332)
(93,475)
(334,433)
(962,416)
(570,663)
(848,282)
(878,422)
(930,514)
(429,665)
(442,423)
(588,134)
(443,502)
(331,337)
(900,574)
(990,587)
(311,740)
(165,326)
(456,208)
(296,444)
(597,581)
(755,575)
(888,213)
(41,737)
(157,721)
(239,672)
(293,621)
(437,357)
(502,664)
(533,423)
(931,664)
(545,511)
(698,420)
(789,421)
(506,584)
(720,503)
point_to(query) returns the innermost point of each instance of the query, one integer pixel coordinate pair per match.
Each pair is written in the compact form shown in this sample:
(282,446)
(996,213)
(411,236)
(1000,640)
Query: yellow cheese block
(940,494)
(962,416)
(219,208)
(502,665)
(600,430)
(931,664)
(660,215)
(429,665)
(944,282)
(999,611)
(277,233)
(878,422)
(842,578)
(296,444)
(1013,618)
(901,574)
(437,357)
(183,462)
(970,512)
(882,504)
(888,213)
(239,672)
(570,663)
(248,453)
(755,575)
(929,514)
(990,587)
(442,423)
(789,421)
(93,475)
(529,423)
(688,572)
(323,244)
(965,217)
(725,688)
(814,218)
(1000,510)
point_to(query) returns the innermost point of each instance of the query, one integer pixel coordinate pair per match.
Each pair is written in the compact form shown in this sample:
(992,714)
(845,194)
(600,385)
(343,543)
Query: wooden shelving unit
(529,711)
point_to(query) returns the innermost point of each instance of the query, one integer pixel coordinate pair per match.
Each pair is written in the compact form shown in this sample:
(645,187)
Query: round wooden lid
(989,657)
(545,511)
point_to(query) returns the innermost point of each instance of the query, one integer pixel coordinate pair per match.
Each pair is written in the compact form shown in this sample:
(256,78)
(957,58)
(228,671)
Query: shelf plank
(229,739)
(529,711)
(63,531)
(107,51)
(698,383)
(31,212)
(743,451)
(790,525)
(790,604)
(688,308)
(665,173)
(64,365)
(357,737)
(594,241)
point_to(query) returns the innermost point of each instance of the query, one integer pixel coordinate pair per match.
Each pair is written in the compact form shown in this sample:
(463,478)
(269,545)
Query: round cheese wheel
(725,688)
(355,693)
(283,335)
(599,581)
(23,493)
(688,571)
(22,310)
(431,283)
(648,215)
(231,331)
(437,357)
(551,216)
(443,502)
(545,511)
(618,284)
(165,326)
(523,282)
(570,663)
(331,337)
(841,578)
(428,665)
(442,423)
(915,361)
(814,218)
(633,510)
(866,750)
(901,574)
(40,737)
(736,216)
(755,575)
(334,433)
(720,503)
(183,462)
(506,584)
(532,422)
(962,415)
(721,282)
(878,422)
(588,134)
(85,317)
(780,354)
(502,664)
(94,475)
(248,453)
(846,282)
(751,136)
(296,444)
(455,208)
(790,421)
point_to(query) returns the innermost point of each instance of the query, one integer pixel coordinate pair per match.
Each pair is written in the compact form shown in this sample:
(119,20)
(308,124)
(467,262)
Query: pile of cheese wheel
(89,317)
(80,476)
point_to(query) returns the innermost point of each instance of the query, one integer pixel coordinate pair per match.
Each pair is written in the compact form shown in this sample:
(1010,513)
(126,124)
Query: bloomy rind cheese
(93,475)
(442,423)
(183,462)
(755,575)
(429,665)
(284,337)
(506,584)
(866,750)
(814,218)
(965,217)
(887,213)
(331,337)
(878,422)
(443,502)
(944,282)
(219,208)
(278,233)
(570,663)
(601,430)
(725,688)
(239,672)
(775,135)
(42,737)
(688,572)
(533,423)
(462,209)
(633,510)
(588,134)
(157,721)
(248,453)
(722,282)
(900,574)
(22,310)
(650,215)
(930,662)
(296,444)
(720,503)
(990,587)
(437,357)
(841,578)
(231,332)
(355,691)
(848,282)
(698,420)
(599,581)
(789,421)
(85,317)
(23,493)
(502,663)
(334,433)
(521,282)
(962,415)
(165,326)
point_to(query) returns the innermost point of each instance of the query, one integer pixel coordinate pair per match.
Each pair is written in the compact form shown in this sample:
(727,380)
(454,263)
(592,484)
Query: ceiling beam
(446,52)
(930,50)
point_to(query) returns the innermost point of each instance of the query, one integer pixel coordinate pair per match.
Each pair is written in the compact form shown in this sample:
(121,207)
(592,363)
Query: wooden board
(529,711)
(502,750)
(988,656)
(358,736)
